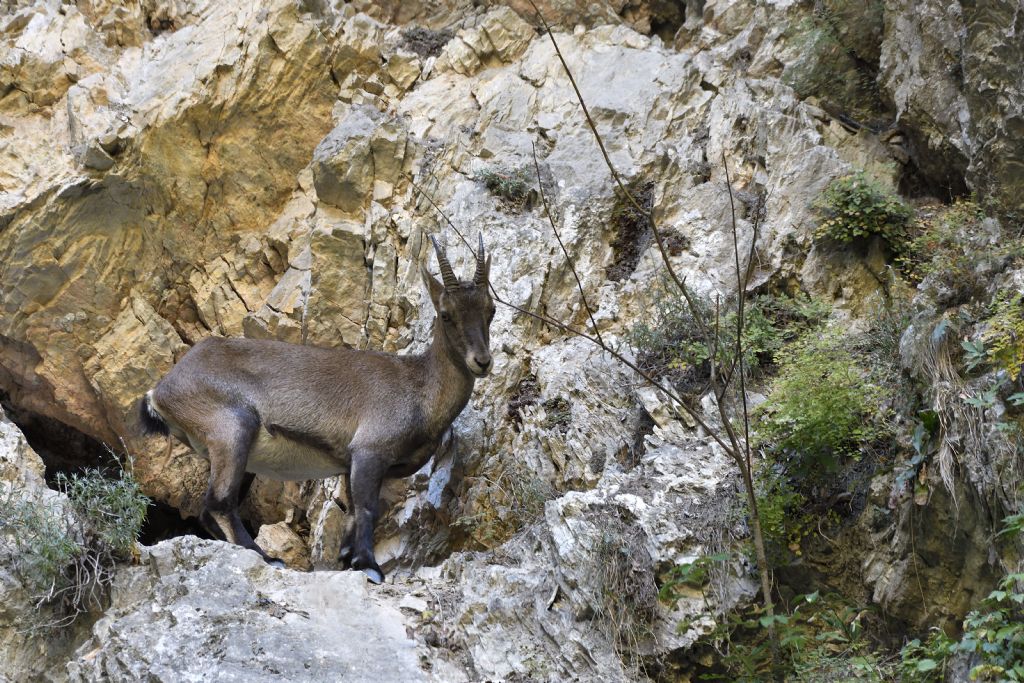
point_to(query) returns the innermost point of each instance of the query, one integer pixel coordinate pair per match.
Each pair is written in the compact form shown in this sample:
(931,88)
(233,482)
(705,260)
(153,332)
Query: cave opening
(938,173)
(68,451)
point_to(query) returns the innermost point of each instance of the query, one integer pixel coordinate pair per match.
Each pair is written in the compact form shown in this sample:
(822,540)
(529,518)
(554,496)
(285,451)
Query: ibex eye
(446,317)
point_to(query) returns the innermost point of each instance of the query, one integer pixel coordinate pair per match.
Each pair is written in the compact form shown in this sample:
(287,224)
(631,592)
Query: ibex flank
(293,412)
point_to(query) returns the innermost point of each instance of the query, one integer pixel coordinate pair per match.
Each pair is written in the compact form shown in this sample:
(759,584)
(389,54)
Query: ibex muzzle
(293,412)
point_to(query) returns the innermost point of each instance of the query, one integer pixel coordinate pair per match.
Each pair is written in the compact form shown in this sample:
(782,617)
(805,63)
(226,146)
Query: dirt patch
(632,228)
(425,42)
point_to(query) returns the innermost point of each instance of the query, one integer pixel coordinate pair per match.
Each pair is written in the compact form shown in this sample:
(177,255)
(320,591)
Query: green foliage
(111,510)
(669,344)
(784,521)
(822,638)
(688,575)
(925,433)
(995,633)
(957,251)
(512,186)
(855,207)
(1004,334)
(925,662)
(65,556)
(820,407)
(945,243)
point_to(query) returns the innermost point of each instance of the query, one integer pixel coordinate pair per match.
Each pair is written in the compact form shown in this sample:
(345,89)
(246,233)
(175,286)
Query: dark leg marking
(345,551)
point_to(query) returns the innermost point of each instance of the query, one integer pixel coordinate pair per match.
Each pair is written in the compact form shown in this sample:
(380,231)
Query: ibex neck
(448,384)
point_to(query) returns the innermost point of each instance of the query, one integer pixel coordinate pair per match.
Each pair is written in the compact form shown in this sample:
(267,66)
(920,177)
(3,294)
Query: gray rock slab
(195,610)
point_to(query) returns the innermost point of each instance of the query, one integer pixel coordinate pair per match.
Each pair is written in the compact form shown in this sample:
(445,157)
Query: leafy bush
(510,185)
(820,406)
(784,522)
(856,206)
(669,343)
(995,633)
(925,662)
(65,557)
(822,638)
(1004,334)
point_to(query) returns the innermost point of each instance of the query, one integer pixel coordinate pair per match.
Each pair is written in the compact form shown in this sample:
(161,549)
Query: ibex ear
(433,286)
(487,269)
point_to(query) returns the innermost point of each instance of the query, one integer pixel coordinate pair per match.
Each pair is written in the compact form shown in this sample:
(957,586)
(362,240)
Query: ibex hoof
(345,556)
(374,575)
(275,563)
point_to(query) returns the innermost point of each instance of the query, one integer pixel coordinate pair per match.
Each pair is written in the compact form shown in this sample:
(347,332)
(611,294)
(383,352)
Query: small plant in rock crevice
(65,554)
(1004,334)
(956,251)
(632,228)
(856,207)
(511,186)
(622,576)
(513,501)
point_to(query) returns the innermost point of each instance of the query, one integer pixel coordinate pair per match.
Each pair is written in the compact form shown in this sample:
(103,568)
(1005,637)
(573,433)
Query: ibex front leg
(365,479)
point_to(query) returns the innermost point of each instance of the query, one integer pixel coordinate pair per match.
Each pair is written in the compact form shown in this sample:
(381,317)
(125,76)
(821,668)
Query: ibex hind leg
(228,447)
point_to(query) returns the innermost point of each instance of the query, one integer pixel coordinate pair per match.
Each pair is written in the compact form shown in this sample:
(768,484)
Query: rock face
(176,169)
(240,620)
(26,656)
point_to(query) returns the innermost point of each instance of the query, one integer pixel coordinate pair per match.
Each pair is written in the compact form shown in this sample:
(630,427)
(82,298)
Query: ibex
(293,412)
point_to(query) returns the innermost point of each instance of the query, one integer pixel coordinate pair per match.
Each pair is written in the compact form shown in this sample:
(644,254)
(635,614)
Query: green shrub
(820,406)
(784,521)
(995,633)
(1004,334)
(669,344)
(957,251)
(821,638)
(925,662)
(510,185)
(65,556)
(855,207)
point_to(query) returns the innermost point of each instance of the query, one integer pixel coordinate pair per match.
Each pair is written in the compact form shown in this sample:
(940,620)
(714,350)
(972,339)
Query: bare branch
(680,283)
(565,252)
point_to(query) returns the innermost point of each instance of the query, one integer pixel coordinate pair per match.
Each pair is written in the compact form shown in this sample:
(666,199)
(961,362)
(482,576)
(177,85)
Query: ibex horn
(480,277)
(447,274)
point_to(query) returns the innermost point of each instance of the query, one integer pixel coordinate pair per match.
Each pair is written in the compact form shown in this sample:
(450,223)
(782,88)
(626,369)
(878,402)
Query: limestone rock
(500,37)
(278,540)
(237,618)
(25,655)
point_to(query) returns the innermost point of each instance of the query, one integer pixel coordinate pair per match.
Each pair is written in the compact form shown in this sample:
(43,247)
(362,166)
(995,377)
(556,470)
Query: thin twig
(740,310)
(693,415)
(680,283)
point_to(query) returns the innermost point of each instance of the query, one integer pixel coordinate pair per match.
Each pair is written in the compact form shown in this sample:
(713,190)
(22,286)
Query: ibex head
(464,310)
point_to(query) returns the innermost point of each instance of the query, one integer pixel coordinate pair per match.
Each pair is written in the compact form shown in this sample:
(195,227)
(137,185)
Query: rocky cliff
(175,169)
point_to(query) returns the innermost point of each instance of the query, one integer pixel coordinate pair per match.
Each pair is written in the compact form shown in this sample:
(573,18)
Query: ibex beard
(294,412)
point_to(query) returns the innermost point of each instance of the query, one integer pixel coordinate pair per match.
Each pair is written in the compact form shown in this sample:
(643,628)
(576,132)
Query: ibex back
(293,412)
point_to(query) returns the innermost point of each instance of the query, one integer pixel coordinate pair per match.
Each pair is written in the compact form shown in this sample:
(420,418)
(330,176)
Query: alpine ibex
(293,412)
